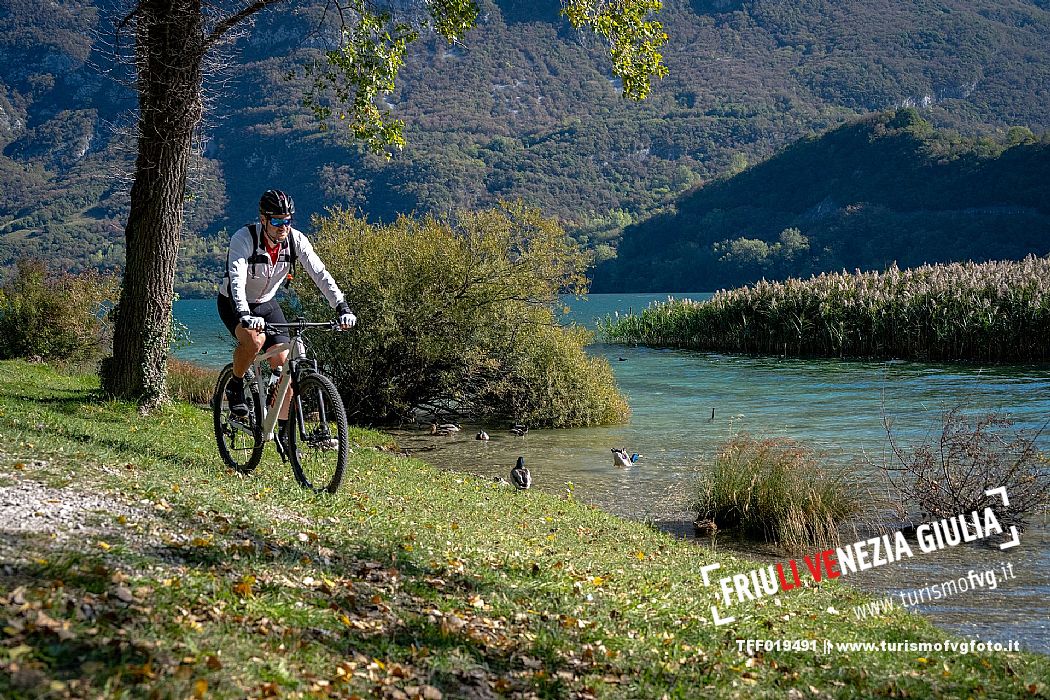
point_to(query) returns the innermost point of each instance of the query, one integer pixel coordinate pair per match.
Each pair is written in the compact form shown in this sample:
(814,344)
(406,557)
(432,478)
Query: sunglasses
(281,222)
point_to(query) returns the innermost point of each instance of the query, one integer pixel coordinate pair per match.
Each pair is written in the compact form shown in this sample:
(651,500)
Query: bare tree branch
(233,20)
(129,17)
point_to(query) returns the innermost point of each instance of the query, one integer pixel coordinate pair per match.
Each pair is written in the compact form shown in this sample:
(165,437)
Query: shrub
(778,491)
(548,379)
(971,455)
(55,317)
(190,382)
(457,318)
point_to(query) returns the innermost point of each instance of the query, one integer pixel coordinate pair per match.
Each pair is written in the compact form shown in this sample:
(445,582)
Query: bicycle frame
(297,354)
(270,413)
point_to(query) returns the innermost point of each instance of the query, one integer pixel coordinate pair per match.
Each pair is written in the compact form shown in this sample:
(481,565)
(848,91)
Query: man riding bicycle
(260,259)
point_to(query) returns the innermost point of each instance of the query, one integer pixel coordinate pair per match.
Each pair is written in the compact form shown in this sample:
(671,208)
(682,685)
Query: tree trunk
(169,52)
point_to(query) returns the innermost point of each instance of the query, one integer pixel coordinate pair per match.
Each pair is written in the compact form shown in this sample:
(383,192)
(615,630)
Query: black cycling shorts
(269,310)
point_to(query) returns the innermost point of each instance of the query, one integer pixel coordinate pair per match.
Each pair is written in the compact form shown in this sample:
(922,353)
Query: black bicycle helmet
(276,203)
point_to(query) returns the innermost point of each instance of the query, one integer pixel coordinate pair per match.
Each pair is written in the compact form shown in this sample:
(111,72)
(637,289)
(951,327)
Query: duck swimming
(519,429)
(621,459)
(482,436)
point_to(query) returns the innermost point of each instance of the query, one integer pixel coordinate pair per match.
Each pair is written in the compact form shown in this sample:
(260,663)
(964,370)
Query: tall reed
(996,311)
(779,491)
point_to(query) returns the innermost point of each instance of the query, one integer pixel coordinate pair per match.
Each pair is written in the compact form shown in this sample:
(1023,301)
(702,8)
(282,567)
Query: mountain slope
(525,108)
(882,189)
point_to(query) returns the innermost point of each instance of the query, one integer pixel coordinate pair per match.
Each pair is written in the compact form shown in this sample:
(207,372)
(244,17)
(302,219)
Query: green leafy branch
(347,84)
(634,39)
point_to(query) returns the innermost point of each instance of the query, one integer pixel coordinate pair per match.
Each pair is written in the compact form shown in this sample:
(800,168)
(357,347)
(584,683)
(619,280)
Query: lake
(836,406)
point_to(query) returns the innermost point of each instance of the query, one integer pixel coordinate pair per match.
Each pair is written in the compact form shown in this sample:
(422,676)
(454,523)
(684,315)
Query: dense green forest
(883,189)
(524,108)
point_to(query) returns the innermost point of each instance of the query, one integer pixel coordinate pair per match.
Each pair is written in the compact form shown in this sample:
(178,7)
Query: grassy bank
(410,582)
(997,311)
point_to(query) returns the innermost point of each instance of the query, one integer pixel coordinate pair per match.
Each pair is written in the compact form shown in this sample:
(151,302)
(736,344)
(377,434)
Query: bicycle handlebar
(305,324)
(299,325)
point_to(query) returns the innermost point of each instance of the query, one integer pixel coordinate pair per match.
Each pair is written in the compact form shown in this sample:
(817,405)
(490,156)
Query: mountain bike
(315,440)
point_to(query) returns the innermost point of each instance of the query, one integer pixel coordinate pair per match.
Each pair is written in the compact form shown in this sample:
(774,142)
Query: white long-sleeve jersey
(252,277)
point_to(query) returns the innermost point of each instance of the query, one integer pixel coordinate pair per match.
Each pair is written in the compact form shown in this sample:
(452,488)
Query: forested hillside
(525,108)
(880,190)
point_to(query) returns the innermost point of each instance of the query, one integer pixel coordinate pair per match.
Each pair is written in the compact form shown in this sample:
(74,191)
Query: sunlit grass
(209,583)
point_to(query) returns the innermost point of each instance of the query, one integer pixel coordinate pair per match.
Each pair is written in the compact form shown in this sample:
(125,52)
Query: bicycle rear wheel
(239,439)
(317,435)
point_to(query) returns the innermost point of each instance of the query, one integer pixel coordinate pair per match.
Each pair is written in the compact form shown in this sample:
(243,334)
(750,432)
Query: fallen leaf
(20,650)
(243,588)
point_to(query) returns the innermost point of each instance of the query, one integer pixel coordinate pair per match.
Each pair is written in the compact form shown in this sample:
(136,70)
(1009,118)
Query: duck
(519,429)
(621,459)
(450,427)
(520,476)
(435,430)
(705,527)
(482,436)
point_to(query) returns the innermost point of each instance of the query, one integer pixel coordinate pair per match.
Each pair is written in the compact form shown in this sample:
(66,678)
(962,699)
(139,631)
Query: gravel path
(31,507)
(32,513)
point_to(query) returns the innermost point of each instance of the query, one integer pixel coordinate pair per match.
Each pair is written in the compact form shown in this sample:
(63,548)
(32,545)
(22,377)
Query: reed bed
(995,311)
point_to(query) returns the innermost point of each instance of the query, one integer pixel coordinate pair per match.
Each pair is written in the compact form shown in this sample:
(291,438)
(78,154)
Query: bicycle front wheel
(318,436)
(239,438)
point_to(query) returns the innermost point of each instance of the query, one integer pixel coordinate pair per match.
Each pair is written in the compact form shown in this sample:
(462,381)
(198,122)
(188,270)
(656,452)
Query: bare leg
(249,343)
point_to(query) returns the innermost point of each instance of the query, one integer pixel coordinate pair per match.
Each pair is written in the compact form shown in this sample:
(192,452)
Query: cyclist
(261,258)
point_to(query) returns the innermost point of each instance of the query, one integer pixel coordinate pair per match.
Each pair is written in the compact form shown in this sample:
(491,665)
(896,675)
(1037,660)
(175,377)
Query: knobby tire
(316,391)
(239,450)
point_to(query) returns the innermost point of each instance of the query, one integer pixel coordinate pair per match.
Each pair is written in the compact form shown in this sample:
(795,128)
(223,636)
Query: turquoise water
(834,405)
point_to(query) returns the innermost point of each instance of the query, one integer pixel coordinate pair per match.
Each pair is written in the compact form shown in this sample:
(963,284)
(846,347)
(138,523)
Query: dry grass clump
(995,311)
(779,491)
(190,382)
